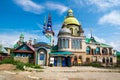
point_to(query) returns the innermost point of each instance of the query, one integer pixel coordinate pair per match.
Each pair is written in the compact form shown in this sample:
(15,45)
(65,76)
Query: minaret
(47,30)
(21,37)
(49,25)
(44,25)
(30,41)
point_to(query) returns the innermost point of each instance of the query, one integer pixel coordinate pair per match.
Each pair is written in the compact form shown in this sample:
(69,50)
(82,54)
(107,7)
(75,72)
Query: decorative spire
(49,23)
(91,33)
(70,13)
(47,31)
(44,25)
(21,37)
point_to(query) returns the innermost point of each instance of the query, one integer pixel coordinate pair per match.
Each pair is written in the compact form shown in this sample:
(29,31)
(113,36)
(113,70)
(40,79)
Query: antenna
(91,33)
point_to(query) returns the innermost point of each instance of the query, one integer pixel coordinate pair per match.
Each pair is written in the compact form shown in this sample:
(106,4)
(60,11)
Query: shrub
(20,66)
(7,61)
(96,64)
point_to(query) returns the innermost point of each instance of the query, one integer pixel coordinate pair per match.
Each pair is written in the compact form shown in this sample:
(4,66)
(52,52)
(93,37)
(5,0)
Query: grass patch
(19,65)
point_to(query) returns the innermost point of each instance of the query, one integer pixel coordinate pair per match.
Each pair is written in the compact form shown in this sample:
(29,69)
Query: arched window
(63,43)
(110,51)
(71,29)
(97,50)
(107,60)
(78,43)
(59,42)
(18,55)
(88,60)
(88,50)
(73,44)
(111,60)
(104,51)
(66,43)
(24,55)
(75,60)
(76,32)
(103,60)
(29,55)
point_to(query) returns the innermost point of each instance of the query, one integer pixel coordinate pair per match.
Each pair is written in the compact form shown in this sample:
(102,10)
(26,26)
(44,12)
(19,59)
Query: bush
(96,64)
(7,61)
(20,66)
(37,67)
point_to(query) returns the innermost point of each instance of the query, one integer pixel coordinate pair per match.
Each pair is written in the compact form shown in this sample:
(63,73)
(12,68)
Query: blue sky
(27,16)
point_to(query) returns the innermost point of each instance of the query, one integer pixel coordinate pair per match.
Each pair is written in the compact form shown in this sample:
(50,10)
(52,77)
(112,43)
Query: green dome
(21,35)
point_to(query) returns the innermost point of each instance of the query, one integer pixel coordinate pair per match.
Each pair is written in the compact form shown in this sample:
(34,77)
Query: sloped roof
(54,48)
(29,46)
(61,53)
(105,45)
(3,50)
(88,40)
(117,53)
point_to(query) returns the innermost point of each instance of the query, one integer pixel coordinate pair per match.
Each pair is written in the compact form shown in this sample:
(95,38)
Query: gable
(24,47)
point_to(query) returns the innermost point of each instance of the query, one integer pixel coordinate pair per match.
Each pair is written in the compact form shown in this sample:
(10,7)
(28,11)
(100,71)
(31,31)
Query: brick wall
(22,59)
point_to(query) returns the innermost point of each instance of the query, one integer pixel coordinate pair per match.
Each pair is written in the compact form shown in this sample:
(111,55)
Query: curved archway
(76,32)
(111,60)
(88,50)
(103,60)
(87,60)
(98,50)
(104,51)
(42,56)
(80,60)
(107,60)
(71,29)
(75,61)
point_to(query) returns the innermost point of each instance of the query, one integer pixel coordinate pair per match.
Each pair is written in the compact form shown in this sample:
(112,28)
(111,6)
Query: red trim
(25,51)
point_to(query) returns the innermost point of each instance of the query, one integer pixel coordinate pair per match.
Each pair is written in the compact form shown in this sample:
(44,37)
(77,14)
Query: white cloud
(101,40)
(8,40)
(116,45)
(29,6)
(112,18)
(99,5)
(54,6)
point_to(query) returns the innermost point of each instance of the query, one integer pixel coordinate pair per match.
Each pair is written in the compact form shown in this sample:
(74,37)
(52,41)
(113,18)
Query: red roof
(25,51)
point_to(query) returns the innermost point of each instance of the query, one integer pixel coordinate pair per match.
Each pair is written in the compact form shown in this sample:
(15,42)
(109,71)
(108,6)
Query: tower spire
(91,33)
(44,25)
(47,31)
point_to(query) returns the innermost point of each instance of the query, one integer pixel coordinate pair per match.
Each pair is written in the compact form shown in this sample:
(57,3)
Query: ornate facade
(84,50)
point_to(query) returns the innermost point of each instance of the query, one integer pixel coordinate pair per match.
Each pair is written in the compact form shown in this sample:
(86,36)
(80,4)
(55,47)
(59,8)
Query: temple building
(73,48)
(24,51)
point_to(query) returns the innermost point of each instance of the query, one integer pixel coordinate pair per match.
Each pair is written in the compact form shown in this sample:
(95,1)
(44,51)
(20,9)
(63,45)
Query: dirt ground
(62,73)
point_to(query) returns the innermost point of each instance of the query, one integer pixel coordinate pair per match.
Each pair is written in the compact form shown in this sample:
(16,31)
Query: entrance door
(59,61)
(42,57)
(55,61)
(68,61)
(63,61)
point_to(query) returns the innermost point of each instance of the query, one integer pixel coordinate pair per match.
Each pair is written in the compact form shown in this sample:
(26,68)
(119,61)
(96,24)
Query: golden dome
(70,11)
(71,20)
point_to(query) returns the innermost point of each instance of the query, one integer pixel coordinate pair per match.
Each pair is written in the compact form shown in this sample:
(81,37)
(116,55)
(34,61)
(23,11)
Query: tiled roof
(61,53)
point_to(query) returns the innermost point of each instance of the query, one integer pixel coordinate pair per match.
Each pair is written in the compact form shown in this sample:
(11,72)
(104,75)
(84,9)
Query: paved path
(64,73)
